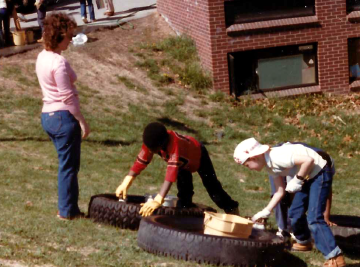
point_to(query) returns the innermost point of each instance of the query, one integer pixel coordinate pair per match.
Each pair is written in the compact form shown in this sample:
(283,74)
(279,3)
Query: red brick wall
(190,17)
(204,21)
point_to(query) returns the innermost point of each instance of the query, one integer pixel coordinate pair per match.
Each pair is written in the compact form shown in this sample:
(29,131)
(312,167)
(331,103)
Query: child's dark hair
(155,135)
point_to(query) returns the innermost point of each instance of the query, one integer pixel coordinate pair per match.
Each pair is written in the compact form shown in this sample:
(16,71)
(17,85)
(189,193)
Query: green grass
(181,58)
(31,234)
(132,85)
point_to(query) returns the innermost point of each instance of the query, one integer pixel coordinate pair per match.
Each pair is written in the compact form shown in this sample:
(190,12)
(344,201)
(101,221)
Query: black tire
(107,209)
(347,232)
(183,238)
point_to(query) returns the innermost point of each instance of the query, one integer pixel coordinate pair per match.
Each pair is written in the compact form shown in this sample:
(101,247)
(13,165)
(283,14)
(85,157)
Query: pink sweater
(56,79)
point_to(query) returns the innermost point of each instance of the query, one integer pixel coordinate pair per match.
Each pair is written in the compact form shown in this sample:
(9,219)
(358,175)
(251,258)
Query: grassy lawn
(30,234)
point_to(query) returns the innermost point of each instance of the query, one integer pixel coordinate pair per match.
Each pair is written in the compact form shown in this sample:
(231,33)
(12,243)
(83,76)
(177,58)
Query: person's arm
(165,188)
(328,209)
(66,91)
(305,164)
(142,160)
(149,207)
(83,124)
(278,195)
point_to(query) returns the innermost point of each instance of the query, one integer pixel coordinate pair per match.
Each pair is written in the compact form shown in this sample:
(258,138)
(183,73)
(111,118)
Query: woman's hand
(84,128)
(83,124)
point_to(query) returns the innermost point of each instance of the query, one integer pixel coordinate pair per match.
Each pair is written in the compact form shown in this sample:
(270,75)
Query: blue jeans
(281,210)
(4,30)
(312,200)
(65,132)
(209,180)
(90,7)
(41,14)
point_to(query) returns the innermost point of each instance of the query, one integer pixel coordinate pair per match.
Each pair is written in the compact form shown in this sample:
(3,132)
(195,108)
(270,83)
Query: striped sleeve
(173,165)
(142,160)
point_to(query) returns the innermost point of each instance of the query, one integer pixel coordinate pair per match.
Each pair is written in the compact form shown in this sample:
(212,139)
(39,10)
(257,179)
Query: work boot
(301,247)
(337,261)
(109,13)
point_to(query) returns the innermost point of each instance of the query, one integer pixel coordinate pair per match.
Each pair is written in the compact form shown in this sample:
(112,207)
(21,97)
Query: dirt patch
(10,263)
(107,56)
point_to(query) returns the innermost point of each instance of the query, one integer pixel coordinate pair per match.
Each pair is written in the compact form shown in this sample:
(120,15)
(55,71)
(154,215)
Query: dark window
(354,58)
(242,11)
(352,5)
(272,69)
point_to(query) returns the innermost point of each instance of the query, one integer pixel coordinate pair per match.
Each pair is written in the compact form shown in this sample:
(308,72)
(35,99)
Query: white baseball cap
(247,149)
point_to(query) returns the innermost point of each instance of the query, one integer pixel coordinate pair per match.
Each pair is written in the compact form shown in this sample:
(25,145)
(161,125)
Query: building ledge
(353,16)
(286,92)
(272,24)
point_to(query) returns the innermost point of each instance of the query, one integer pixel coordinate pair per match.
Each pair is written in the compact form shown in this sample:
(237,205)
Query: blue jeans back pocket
(53,122)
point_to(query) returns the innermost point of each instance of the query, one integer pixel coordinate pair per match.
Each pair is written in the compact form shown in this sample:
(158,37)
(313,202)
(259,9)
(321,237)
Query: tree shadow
(136,9)
(289,259)
(92,40)
(25,139)
(114,18)
(177,125)
(109,143)
(60,5)
(106,142)
(351,253)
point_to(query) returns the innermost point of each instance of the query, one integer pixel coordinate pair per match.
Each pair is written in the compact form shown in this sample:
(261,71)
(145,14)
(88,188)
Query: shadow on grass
(351,254)
(106,142)
(177,125)
(290,260)
(24,139)
(115,18)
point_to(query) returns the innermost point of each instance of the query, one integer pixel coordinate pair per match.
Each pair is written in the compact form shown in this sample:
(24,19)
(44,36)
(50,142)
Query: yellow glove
(122,189)
(149,207)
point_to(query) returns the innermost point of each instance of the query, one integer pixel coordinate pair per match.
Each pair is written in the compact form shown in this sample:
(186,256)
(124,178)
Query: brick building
(283,47)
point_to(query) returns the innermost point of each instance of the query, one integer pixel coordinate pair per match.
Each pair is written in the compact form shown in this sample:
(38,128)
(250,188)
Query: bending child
(281,210)
(184,155)
(311,179)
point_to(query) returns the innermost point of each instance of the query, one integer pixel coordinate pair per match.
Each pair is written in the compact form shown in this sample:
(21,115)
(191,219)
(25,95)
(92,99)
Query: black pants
(209,180)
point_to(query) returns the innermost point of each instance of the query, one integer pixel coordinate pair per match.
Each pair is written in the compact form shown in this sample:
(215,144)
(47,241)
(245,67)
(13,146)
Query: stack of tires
(107,209)
(178,232)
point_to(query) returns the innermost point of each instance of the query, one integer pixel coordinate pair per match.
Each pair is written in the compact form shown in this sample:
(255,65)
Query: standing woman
(61,117)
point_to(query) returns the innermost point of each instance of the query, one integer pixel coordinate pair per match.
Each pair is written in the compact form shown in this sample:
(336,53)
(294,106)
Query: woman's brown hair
(56,26)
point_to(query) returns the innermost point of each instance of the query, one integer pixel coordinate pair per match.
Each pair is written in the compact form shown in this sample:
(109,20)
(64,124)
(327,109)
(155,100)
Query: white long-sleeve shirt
(3,4)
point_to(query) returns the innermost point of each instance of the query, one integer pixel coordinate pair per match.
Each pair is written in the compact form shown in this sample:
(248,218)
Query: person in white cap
(310,178)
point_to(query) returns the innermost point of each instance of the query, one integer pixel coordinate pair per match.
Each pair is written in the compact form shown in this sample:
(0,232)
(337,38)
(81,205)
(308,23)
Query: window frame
(273,52)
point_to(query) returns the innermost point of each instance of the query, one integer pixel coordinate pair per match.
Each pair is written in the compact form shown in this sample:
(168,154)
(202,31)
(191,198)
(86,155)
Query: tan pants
(109,5)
